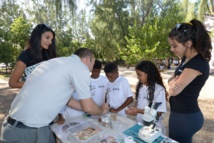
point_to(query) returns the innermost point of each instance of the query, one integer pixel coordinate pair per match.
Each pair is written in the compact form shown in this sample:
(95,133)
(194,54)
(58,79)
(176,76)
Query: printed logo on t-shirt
(101,86)
(180,70)
(92,87)
(93,93)
(115,89)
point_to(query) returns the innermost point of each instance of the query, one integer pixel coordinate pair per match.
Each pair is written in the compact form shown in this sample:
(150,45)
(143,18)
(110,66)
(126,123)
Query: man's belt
(12,121)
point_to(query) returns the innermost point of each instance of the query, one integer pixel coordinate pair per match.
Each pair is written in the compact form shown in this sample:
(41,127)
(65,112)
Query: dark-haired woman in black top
(41,47)
(191,42)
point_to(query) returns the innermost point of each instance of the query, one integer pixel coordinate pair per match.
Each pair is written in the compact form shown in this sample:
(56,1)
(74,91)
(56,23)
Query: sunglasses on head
(182,28)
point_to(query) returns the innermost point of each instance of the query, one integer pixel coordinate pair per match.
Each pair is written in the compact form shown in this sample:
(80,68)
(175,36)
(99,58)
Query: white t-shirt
(98,89)
(70,112)
(48,88)
(159,96)
(117,93)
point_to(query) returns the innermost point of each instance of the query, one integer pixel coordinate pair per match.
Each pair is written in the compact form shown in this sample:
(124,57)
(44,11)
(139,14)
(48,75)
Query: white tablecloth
(118,126)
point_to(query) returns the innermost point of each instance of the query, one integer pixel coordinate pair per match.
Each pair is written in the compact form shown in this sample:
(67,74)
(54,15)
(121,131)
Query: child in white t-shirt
(150,89)
(70,112)
(98,84)
(119,94)
(98,91)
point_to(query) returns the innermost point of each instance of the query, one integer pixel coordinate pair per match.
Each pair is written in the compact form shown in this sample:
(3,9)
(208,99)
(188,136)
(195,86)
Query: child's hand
(113,110)
(132,111)
(128,111)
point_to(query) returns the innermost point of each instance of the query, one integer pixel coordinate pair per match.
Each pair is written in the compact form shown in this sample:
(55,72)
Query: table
(118,127)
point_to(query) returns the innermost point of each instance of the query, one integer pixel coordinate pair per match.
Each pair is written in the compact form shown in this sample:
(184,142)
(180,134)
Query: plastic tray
(81,127)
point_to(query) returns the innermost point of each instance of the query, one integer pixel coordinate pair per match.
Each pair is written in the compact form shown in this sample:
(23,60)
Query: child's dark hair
(97,65)
(153,76)
(110,67)
(195,32)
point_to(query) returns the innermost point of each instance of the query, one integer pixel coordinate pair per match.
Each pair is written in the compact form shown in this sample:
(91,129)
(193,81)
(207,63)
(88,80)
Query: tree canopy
(116,30)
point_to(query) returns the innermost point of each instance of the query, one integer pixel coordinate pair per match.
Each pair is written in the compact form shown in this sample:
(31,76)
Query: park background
(122,31)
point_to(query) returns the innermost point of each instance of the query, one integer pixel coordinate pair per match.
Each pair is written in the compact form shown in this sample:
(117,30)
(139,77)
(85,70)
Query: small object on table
(99,120)
(114,116)
(60,119)
(111,126)
(129,139)
(108,139)
(84,132)
(148,134)
(105,122)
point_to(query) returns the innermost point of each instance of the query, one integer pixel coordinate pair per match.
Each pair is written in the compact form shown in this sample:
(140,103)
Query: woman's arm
(177,84)
(171,78)
(15,76)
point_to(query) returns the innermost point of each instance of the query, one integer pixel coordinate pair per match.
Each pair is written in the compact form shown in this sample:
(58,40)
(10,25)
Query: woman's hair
(153,76)
(195,32)
(38,53)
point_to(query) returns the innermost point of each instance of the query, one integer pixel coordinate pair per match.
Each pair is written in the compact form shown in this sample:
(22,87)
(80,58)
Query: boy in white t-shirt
(98,84)
(98,90)
(119,94)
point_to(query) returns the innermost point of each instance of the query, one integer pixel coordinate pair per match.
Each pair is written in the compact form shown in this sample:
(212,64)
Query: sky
(80,3)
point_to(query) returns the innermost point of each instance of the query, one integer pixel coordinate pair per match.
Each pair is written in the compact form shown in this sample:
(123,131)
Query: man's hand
(105,108)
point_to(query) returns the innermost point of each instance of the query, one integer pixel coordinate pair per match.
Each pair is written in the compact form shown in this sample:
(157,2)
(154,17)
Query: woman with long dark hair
(192,42)
(41,47)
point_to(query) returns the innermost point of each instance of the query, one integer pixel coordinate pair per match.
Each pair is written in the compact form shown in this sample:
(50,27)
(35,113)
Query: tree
(202,9)
(20,32)
(109,27)
(9,11)
(149,41)
(60,16)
